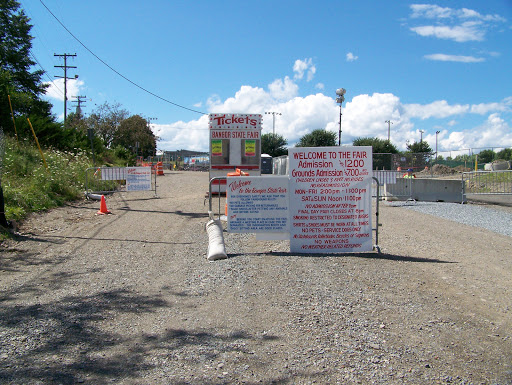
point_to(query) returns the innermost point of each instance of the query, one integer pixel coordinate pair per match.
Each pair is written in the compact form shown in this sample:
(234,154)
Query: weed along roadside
(130,298)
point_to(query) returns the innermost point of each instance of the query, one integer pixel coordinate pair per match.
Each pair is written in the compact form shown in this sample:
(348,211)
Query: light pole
(273,113)
(437,133)
(421,136)
(340,98)
(389,122)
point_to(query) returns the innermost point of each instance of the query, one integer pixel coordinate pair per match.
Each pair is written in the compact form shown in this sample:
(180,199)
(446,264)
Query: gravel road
(130,298)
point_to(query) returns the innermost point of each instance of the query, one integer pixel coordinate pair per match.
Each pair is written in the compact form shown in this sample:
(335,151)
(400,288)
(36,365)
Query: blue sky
(425,66)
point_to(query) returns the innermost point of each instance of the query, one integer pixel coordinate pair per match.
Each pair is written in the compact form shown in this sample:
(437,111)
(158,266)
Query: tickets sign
(330,199)
(234,121)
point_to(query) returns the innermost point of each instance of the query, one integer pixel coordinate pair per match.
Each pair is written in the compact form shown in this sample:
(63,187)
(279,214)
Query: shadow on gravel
(81,339)
(177,212)
(37,287)
(64,237)
(399,258)
(14,260)
(33,237)
(61,342)
(391,257)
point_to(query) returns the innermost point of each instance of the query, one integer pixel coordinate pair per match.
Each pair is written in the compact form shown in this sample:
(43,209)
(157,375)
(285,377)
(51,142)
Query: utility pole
(273,120)
(389,122)
(79,101)
(421,136)
(65,77)
(273,129)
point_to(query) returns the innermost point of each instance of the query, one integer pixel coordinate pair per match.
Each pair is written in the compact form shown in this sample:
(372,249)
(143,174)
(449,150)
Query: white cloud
(437,109)
(430,11)
(362,116)
(351,57)
(191,135)
(302,67)
(283,89)
(454,58)
(365,115)
(485,108)
(460,33)
(320,86)
(460,25)
(56,88)
(495,130)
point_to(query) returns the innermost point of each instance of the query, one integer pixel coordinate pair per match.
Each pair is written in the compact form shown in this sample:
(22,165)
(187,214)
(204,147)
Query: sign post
(330,199)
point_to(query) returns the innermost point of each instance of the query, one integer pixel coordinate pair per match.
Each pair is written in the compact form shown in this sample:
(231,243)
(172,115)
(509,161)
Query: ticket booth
(235,142)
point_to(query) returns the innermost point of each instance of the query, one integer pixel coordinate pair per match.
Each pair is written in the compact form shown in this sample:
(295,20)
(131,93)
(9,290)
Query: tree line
(110,130)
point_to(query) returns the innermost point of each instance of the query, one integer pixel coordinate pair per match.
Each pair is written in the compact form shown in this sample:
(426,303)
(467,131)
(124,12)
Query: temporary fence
(384,177)
(215,181)
(105,180)
(280,165)
(487,183)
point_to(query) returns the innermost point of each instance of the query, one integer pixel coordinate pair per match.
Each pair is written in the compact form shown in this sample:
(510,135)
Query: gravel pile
(492,219)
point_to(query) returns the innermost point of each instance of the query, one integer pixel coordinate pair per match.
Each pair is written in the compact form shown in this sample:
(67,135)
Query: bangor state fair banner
(330,199)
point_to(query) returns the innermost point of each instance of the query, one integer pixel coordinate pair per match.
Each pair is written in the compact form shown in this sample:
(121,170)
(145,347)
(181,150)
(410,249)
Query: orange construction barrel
(159,168)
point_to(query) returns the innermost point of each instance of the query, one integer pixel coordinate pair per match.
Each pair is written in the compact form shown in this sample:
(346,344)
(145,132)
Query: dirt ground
(130,298)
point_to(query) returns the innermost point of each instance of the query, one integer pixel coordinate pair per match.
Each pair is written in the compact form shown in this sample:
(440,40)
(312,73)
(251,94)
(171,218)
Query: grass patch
(31,187)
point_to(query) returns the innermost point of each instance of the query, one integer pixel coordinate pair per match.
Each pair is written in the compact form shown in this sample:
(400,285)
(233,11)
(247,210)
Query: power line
(115,71)
(46,74)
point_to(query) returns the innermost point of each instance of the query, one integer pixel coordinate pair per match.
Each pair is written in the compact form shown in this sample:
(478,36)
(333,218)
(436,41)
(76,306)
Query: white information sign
(113,173)
(330,199)
(257,204)
(138,178)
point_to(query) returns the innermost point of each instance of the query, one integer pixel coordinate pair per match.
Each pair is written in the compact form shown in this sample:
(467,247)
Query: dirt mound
(443,170)
(462,169)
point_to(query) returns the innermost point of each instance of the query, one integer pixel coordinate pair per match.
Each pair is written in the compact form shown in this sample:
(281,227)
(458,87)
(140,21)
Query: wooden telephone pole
(65,77)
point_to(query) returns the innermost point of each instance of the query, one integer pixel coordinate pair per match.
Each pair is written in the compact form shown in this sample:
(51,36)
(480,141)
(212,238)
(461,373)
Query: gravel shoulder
(130,298)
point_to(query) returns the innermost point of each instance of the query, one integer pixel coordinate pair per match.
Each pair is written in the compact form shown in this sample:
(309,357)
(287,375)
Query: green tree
(318,138)
(106,119)
(381,149)
(273,145)
(17,78)
(418,147)
(135,134)
(486,156)
(505,154)
(379,146)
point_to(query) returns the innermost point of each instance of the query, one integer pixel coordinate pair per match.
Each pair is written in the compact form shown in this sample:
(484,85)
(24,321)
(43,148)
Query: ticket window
(219,151)
(251,151)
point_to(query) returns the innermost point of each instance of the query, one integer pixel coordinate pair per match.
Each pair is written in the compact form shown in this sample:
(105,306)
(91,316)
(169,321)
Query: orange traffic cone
(103,207)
